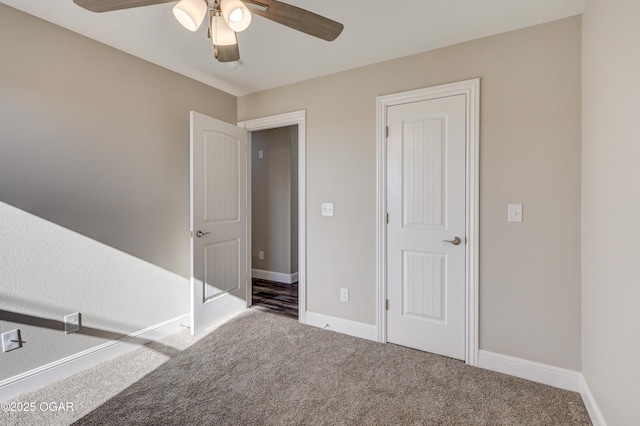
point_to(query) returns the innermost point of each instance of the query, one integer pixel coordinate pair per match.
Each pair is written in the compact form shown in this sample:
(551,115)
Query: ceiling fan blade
(228,53)
(297,18)
(109,5)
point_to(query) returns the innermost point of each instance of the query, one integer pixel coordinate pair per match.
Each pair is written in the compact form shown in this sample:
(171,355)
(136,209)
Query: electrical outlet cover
(72,323)
(344,294)
(327,209)
(11,340)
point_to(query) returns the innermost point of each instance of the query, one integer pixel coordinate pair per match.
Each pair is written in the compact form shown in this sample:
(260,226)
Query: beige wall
(530,154)
(611,206)
(97,142)
(272,202)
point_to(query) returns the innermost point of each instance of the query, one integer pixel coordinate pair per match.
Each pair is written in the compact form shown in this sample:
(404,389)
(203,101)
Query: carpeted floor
(264,369)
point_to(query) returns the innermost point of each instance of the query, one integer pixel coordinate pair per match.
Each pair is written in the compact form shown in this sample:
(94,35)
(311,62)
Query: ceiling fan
(227,17)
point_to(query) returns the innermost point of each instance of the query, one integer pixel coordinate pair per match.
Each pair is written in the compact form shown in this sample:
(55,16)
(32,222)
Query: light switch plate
(327,209)
(514,213)
(11,340)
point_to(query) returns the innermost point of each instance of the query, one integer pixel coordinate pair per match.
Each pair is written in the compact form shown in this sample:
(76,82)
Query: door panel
(221,180)
(221,267)
(422,164)
(423,286)
(219,225)
(426,206)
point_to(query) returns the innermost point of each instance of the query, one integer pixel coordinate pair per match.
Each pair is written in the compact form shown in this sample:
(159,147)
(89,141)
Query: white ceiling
(273,55)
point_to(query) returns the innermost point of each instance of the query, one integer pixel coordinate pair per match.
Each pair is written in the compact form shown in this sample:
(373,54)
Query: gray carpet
(264,369)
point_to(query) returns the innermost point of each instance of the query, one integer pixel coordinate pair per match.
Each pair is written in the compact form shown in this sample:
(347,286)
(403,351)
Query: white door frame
(471,89)
(272,122)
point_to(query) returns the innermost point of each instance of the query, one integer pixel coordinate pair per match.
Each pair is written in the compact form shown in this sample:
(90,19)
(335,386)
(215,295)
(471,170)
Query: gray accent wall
(530,136)
(94,187)
(274,187)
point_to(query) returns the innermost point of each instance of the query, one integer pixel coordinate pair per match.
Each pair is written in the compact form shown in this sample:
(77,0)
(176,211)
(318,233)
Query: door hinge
(387,132)
(387,218)
(386,304)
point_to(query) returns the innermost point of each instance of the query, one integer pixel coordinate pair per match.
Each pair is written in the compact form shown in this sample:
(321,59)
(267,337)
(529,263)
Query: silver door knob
(455,241)
(200,234)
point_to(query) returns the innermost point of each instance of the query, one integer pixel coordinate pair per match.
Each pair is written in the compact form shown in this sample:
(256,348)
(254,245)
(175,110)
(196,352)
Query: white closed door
(219,225)
(426,258)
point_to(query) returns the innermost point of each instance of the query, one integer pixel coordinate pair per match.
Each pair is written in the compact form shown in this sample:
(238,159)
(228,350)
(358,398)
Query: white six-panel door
(219,226)
(426,229)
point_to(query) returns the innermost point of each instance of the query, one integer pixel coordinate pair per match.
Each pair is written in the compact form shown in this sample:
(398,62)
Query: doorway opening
(274,220)
(295,122)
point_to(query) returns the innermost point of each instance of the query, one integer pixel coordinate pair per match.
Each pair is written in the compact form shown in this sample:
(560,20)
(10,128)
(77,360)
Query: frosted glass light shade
(190,13)
(236,14)
(221,34)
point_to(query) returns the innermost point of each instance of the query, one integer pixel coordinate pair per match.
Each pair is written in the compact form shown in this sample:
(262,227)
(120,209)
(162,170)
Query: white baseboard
(545,374)
(274,276)
(534,371)
(49,373)
(590,403)
(352,328)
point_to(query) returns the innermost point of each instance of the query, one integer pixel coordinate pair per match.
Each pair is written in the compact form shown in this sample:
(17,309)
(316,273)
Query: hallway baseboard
(274,276)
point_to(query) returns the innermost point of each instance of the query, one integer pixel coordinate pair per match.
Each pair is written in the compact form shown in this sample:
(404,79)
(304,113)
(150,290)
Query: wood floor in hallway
(275,297)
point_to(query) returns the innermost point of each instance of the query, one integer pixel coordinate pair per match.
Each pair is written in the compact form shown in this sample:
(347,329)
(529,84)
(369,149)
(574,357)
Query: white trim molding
(547,375)
(530,370)
(274,276)
(471,90)
(590,404)
(65,367)
(344,326)
(281,120)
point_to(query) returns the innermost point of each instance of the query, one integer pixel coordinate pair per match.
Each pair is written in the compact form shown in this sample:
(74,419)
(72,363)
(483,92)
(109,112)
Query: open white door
(219,225)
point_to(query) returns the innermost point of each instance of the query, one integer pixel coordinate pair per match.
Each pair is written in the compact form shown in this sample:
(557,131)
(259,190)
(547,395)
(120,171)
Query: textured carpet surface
(266,369)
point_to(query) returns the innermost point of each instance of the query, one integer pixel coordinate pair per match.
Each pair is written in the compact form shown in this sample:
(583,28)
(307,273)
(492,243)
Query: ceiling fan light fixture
(236,14)
(221,34)
(190,13)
